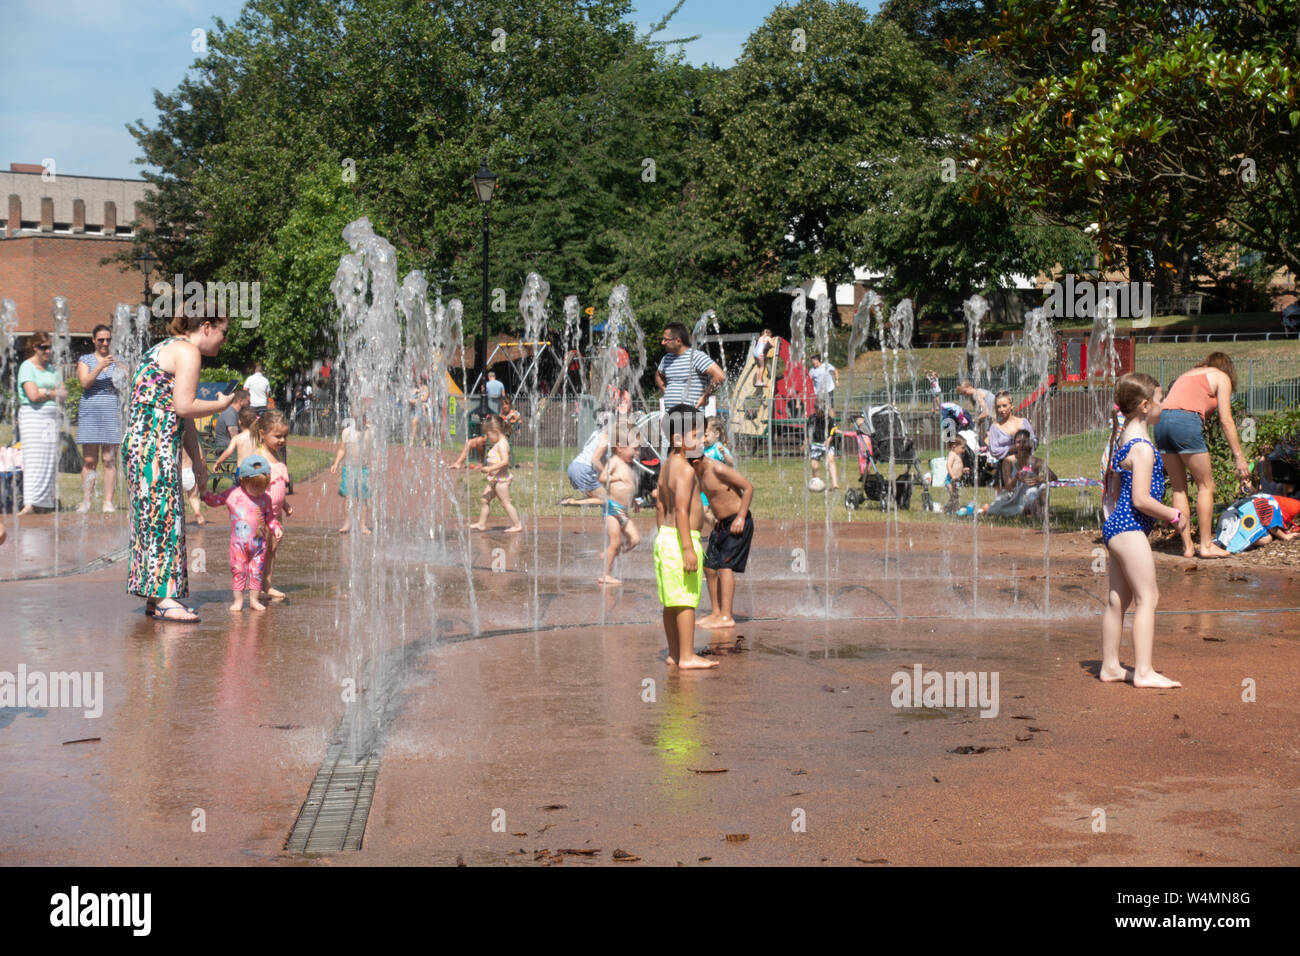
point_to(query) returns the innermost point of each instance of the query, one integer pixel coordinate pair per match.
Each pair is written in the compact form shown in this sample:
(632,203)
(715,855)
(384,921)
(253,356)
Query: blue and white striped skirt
(99,420)
(38,428)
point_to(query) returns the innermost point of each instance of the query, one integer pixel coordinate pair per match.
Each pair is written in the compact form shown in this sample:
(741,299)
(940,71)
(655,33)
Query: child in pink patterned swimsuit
(251,513)
(270,435)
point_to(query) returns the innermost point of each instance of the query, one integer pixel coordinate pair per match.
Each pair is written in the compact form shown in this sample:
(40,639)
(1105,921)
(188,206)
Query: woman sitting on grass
(1024,481)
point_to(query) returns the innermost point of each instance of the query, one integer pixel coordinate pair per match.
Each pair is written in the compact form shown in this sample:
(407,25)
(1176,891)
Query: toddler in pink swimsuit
(271,433)
(251,511)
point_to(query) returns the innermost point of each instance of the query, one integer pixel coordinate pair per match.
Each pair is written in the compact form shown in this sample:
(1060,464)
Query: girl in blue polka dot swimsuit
(1125,517)
(1136,467)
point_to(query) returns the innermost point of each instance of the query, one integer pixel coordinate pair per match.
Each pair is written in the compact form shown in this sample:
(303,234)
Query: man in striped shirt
(686,375)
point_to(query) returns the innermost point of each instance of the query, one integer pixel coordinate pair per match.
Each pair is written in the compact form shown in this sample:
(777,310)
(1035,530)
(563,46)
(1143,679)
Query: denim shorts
(583,477)
(1179,432)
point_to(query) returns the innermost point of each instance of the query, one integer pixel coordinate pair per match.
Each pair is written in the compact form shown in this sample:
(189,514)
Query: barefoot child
(761,346)
(821,444)
(956,471)
(355,446)
(191,488)
(241,446)
(620,482)
(729,495)
(496,469)
(1137,470)
(677,552)
(270,435)
(715,447)
(251,515)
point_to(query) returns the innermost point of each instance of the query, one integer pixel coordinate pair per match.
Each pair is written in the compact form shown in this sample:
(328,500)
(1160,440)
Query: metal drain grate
(333,817)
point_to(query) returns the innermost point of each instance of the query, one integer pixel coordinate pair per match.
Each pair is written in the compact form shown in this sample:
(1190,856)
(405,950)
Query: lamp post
(484,185)
(147,260)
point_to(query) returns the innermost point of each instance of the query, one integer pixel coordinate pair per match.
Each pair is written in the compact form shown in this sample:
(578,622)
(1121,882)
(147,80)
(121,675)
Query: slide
(751,407)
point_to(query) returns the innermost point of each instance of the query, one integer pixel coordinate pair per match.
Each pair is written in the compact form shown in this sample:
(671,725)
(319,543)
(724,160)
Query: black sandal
(152,610)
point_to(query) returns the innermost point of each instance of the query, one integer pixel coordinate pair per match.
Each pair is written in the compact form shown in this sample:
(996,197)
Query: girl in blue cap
(251,513)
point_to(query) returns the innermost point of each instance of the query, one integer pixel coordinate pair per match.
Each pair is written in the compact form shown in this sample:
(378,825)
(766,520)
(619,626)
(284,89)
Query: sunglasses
(103,341)
(45,348)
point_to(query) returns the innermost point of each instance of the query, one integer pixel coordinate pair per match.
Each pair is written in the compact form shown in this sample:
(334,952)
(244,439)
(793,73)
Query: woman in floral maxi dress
(163,401)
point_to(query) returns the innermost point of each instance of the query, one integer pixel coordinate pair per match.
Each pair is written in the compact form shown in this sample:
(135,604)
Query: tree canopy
(1169,125)
(945,144)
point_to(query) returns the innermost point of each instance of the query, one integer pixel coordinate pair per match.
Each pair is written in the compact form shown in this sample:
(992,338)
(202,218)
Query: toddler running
(620,482)
(496,469)
(1136,468)
(250,515)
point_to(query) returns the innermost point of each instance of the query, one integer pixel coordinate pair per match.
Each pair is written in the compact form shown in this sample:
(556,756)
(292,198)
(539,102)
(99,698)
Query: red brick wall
(34,269)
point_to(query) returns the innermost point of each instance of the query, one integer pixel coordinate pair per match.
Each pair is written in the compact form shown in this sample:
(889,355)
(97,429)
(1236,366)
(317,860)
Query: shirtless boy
(679,514)
(620,482)
(729,494)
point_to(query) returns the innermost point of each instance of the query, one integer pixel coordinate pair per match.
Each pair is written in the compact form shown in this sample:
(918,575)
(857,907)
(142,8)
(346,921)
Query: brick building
(53,235)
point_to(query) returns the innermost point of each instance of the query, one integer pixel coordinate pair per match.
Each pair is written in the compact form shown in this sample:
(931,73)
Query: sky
(77,71)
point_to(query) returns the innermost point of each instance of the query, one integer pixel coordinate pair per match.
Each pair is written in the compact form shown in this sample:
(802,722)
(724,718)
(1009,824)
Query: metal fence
(1263,385)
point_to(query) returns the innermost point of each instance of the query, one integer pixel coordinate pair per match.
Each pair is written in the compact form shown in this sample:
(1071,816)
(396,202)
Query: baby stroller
(978,460)
(886,432)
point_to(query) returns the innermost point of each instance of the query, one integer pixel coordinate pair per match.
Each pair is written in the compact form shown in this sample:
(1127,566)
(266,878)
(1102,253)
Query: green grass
(1174,324)
(779,487)
(1275,360)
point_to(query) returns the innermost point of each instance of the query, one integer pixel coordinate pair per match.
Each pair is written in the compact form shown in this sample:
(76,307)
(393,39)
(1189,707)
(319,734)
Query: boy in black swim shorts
(727,555)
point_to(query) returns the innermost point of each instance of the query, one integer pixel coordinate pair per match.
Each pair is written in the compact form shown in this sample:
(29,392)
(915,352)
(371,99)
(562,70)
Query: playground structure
(786,399)
(1081,360)
(525,360)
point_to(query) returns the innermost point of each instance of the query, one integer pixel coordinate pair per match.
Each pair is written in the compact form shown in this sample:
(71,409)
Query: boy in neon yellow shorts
(678,554)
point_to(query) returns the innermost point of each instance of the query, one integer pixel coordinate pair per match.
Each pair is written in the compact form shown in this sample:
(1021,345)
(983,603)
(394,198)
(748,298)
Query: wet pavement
(536,714)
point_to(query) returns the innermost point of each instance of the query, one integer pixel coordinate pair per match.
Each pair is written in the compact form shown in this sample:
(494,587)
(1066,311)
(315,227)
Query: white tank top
(589,449)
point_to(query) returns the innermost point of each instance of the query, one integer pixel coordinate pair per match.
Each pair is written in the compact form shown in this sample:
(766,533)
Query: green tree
(1171,125)
(298,314)
(386,107)
(935,241)
(819,95)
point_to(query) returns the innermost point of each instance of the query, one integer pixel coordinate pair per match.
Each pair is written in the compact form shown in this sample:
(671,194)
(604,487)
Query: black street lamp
(485,184)
(147,260)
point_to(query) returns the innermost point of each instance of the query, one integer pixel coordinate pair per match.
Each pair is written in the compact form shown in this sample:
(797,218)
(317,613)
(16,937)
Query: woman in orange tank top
(1178,435)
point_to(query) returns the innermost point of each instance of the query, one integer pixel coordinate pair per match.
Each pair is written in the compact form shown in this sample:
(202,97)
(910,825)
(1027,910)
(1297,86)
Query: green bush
(221,374)
(1277,427)
(1269,430)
